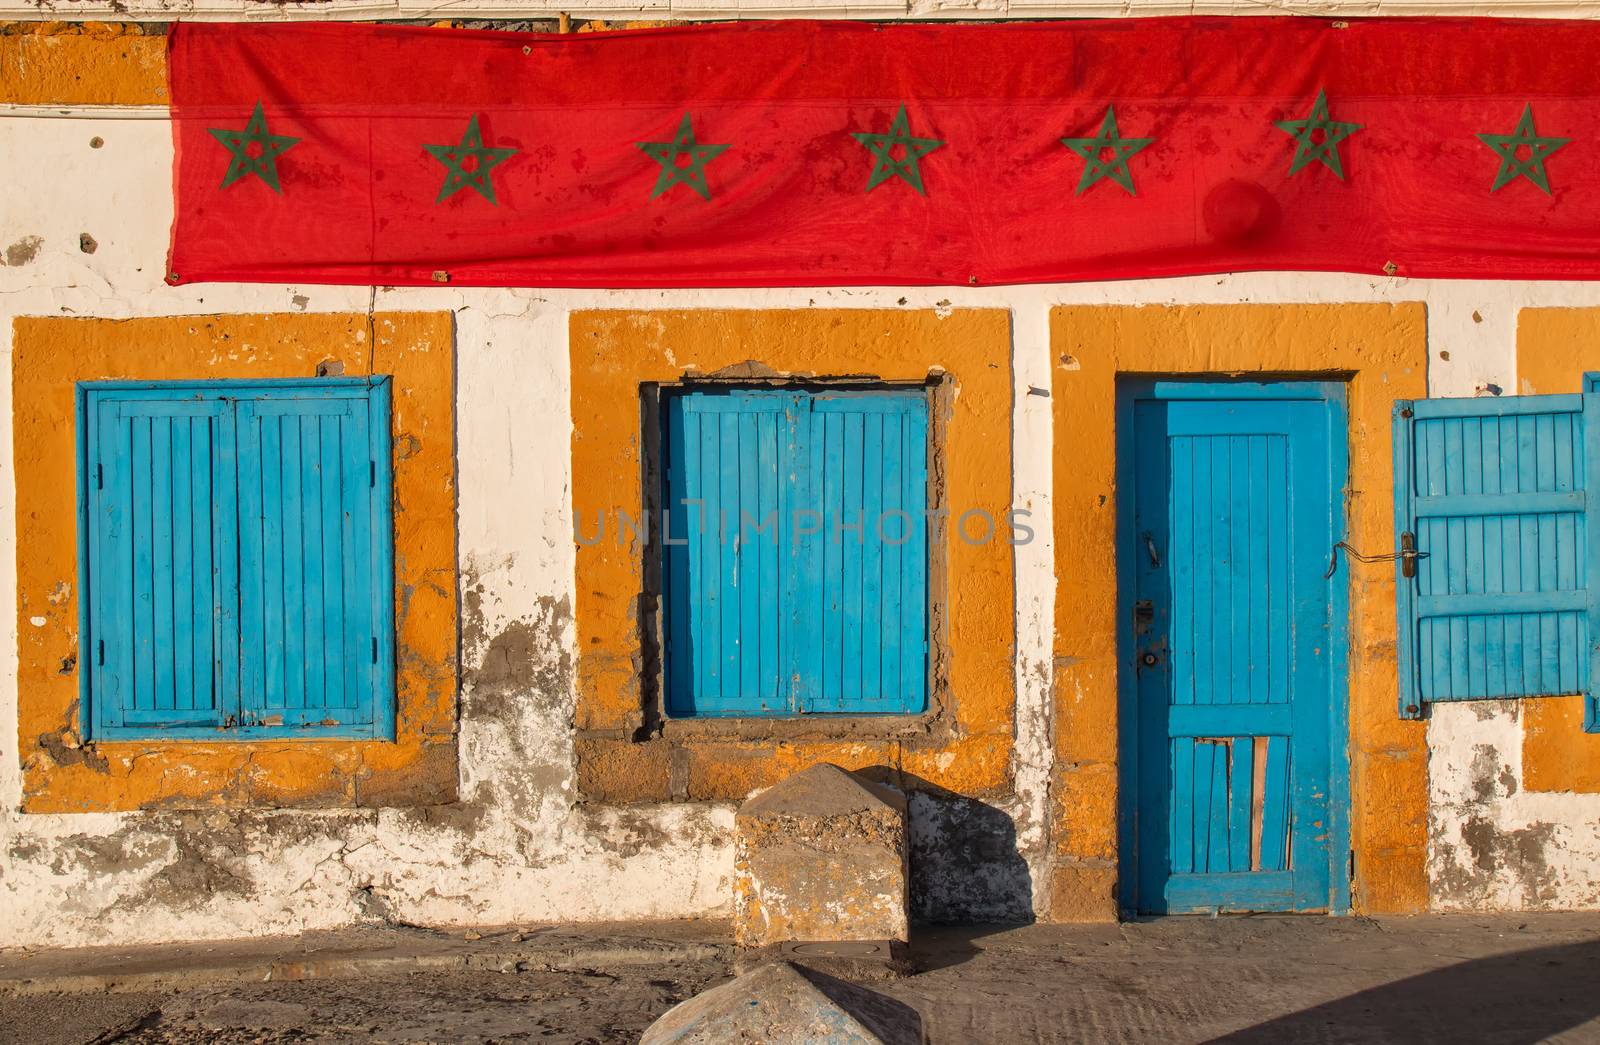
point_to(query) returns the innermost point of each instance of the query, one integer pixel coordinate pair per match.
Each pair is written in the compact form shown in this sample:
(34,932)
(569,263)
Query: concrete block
(820,856)
(782,1004)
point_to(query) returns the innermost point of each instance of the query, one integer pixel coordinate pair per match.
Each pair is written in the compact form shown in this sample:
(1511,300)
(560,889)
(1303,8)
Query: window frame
(382,712)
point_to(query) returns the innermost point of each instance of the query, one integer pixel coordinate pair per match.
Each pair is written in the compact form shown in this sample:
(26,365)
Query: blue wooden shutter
(783,595)
(315,562)
(161,645)
(1494,494)
(859,584)
(237,559)
(728,464)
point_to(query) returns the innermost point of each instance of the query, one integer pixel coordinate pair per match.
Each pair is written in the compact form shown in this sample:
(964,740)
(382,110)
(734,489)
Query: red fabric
(788,204)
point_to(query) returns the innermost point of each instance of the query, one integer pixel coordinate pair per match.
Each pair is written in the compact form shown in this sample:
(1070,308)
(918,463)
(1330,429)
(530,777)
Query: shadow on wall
(1524,996)
(965,866)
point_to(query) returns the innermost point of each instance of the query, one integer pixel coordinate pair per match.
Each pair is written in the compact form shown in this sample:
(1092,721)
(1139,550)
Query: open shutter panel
(315,559)
(1494,495)
(160,541)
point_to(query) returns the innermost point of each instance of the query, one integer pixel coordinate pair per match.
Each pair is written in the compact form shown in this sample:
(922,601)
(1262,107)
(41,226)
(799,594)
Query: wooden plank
(316,624)
(1182,802)
(746,547)
(770,604)
(1180,562)
(851,538)
(709,592)
(357,618)
(247,478)
(1218,857)
(1203,557)
(183,580)
(225,545)
(275,606)
(877,527)
(1258,631)
(1275,820)
(832,452)
(1258,794)
(914,566)
(292,538)
(1237,638)
(331,559)
(143,569)
(726,544)
(1241,817)
(898,556)
(1280,605)
(203,619)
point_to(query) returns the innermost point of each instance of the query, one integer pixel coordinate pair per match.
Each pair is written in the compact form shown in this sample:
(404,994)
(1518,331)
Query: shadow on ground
(1523,996)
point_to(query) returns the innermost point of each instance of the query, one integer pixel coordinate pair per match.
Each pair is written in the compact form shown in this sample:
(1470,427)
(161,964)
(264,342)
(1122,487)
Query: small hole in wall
(330,368)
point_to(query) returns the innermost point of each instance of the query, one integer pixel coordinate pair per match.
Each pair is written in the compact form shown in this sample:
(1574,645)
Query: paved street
(1239,980)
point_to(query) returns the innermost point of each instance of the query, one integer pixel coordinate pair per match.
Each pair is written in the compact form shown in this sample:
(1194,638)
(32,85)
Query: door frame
(1131,388)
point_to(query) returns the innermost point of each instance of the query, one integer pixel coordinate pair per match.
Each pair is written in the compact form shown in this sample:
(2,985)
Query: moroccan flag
(818,153)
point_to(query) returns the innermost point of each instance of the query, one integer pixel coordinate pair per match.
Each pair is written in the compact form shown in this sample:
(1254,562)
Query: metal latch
(1407,556)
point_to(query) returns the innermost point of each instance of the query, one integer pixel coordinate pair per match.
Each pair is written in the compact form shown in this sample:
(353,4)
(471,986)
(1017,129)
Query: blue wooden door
(1233,767)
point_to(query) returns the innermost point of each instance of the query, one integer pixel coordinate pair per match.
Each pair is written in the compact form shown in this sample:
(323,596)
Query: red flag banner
(821,153)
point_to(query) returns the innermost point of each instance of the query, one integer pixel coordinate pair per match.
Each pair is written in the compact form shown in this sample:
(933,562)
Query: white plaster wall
(521,849)
(1494,844)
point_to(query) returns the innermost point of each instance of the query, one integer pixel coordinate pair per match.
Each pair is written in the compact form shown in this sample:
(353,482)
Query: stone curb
(562,956)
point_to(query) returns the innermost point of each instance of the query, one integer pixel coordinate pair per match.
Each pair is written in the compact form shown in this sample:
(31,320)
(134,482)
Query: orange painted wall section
(1554,348)
(60,773)
(1382,351)
(95,63)
(967,746)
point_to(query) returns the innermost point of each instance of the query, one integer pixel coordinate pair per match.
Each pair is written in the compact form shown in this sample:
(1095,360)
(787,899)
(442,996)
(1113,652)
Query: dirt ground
(1238,980)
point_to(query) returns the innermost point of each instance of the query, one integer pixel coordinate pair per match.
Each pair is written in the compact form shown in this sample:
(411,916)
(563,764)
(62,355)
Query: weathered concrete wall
(520,846)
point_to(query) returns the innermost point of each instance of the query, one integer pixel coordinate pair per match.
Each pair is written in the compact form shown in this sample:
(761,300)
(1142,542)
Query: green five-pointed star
(1106,155)
(1513,165)
(693,173)
(254,151)
(468,164)
(1317,138)
(882,146)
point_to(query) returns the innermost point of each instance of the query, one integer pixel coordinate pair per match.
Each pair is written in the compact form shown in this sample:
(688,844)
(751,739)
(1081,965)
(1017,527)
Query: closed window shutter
(237,559)
(729,459)
(861,581)
(1494,494)
(314,634)
(795,552)
(160,542)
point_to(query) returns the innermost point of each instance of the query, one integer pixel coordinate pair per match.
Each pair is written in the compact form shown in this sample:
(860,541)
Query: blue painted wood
(1233,761)
(792,599)
(237,559)
(1496,492)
